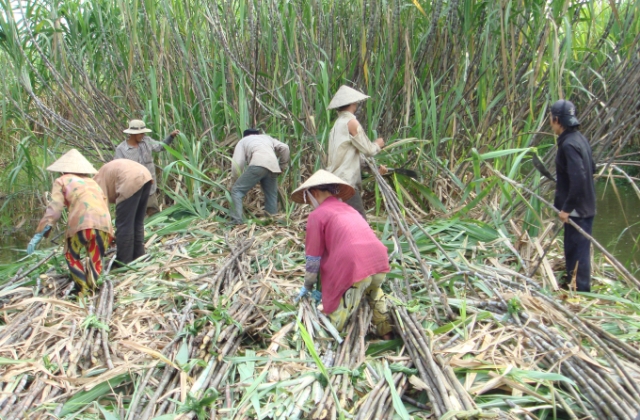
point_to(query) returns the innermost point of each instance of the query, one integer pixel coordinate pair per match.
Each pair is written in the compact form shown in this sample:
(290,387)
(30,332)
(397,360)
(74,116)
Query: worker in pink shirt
(341,246)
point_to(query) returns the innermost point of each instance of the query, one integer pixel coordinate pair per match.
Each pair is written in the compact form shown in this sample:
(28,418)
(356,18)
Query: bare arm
(360,140)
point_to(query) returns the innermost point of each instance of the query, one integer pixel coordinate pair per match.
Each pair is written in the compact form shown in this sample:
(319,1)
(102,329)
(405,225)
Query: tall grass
(452,75)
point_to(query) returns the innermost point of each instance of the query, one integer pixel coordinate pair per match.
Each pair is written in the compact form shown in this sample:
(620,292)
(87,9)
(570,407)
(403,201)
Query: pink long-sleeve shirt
(349,250)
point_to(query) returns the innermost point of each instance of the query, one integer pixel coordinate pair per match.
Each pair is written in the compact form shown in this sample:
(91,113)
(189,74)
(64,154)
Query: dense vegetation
(446,76)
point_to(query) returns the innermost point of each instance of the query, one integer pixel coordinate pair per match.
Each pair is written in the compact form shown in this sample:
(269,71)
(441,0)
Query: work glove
(303,292)
(317,295)
(36,239)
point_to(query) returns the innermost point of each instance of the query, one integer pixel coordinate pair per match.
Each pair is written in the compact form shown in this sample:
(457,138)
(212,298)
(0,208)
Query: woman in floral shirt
(88,221)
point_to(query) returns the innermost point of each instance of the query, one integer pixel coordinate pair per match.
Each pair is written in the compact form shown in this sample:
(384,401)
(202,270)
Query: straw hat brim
(72,162)
(142,130)
(323,177)
(346,96)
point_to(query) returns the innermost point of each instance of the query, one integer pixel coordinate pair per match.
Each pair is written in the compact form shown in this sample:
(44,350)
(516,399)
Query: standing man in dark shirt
(575,191)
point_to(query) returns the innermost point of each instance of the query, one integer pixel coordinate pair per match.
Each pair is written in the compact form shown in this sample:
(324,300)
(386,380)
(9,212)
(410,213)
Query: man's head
(563,116)
(137,130)
(250,132)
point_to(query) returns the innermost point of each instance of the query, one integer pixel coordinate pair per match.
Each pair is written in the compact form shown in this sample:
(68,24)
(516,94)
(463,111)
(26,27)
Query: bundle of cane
(26,329)
(219,338)
(613,392)
(396,210)
(349,355)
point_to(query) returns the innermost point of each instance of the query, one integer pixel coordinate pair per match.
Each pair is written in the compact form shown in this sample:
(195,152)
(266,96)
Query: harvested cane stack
(350,354)
(25,391)
(395,211)
(446,393)
(296,388)
(613,391)
(236,299)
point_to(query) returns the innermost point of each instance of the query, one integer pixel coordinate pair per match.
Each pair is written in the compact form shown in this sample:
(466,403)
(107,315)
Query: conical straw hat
(345,96)
(72,162)
(323,177)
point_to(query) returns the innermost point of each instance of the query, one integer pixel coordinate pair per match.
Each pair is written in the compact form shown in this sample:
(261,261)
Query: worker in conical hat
(342,248)
(347,140)
(88,221)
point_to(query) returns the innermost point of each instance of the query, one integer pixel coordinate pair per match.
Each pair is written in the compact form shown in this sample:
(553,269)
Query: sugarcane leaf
(398,405)
(312,350)
(396,367)
(108,415)
(6,361)
(502,153)
(83,398)
(520,374)
(183,354)
(165,417)
(375,349)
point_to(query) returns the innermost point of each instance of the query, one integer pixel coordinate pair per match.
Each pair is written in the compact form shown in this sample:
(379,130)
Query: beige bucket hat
(72,162)
(323,177)
(137,127)
(345,96)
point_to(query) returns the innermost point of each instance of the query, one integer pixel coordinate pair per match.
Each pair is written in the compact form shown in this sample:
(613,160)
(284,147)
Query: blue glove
(36,239)
(317,295)
(303,293)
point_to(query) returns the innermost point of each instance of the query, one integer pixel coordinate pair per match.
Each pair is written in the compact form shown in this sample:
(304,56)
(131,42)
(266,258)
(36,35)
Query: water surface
(617,223)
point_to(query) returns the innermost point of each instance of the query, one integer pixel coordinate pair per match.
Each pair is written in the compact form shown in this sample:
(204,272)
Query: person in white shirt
(266,158)
(347,140)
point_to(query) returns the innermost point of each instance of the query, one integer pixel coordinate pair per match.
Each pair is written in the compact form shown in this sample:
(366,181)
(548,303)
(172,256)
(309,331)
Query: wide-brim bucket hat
(346,96)
(136,127)
(72,162)
(323,177)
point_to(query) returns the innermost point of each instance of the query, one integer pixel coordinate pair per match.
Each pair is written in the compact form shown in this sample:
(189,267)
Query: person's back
(261,150)
(349,248)
(264,158)
(575,190)
(86,204)
(344,227)
(343,159)
(121,178)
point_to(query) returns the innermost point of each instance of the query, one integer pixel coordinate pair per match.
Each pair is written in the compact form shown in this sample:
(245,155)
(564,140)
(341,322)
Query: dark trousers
(577,252)
(130,225)
(251,176)
(356,203)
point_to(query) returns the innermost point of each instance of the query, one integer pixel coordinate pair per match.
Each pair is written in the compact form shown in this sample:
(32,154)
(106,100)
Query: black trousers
(130,225)
(356,203)
(577,252)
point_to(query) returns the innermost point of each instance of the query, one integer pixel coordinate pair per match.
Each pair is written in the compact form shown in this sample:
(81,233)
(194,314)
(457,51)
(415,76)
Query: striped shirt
(143,154)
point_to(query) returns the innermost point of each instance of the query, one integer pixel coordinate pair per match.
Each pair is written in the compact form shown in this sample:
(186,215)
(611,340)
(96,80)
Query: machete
(402,171)
(537,163)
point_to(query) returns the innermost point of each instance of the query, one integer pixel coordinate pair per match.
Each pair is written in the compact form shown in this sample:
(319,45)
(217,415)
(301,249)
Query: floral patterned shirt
(87,204)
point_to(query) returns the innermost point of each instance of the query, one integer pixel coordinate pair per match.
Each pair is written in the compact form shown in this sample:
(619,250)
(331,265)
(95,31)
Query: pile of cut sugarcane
(205,326)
